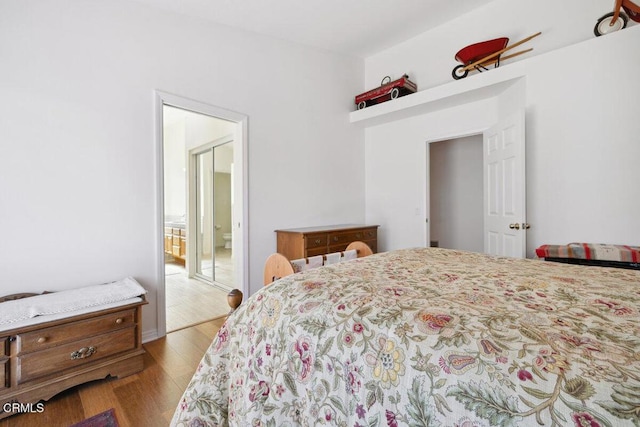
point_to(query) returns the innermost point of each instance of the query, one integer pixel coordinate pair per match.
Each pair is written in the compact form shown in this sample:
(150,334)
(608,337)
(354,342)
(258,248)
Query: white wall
(77,149)
(202,129)
(175,175)
(456,214)
(396,171)
(582,143)
(184,131)
(582,124)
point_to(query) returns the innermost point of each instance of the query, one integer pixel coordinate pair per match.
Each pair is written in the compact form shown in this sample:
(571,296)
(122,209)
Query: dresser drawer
(346,237)
(49,337)
(56,359)
(295,243)
(315,241)
(4,346)
(370,234)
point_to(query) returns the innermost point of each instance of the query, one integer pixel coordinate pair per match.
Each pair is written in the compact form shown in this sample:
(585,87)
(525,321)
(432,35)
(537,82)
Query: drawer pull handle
(42,340)
(318,241)
(335,238)
(83,353)
(119,320)
(358,236)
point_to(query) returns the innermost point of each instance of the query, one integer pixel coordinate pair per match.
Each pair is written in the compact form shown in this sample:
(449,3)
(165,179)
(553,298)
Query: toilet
(227,240)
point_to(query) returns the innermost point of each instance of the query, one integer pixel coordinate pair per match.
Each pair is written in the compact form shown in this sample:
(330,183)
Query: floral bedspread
(427,337)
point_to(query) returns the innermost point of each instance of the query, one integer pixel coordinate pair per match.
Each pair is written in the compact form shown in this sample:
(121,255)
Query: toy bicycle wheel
(361,105)
(458,72)
(394,93)
(603,26)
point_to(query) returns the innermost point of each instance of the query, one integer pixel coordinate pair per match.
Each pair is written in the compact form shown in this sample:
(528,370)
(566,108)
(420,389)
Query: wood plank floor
(190,301)
(148,398)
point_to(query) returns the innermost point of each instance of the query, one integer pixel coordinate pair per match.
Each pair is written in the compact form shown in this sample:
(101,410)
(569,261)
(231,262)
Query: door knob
(516,226)
(526,226)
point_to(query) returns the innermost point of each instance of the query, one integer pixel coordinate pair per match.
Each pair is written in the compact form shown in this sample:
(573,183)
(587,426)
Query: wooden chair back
(278,266)
(362,249)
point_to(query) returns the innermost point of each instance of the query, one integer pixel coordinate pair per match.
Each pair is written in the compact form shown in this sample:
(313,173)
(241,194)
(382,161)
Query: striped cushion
(593,251)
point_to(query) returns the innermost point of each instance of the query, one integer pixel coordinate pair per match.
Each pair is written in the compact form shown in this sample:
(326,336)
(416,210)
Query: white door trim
(240,155)
(521,184)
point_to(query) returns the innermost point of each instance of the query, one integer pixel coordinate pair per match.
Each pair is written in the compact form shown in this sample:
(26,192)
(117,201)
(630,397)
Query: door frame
(456,135)
(241,214)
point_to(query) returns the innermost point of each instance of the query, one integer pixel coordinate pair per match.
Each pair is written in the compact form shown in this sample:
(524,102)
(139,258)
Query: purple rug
(103,419)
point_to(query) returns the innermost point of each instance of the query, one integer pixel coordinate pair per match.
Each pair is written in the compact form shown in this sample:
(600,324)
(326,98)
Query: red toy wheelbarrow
(617,20)
(481,55)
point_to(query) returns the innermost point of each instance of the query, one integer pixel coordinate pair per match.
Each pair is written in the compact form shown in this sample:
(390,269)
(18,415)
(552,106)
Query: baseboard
(151,335)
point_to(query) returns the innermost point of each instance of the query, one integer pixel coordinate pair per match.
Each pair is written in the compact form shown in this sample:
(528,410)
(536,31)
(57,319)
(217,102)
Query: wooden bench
(51,353)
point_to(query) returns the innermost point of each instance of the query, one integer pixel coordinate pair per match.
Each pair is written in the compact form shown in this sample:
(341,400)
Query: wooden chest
(296,243)
(41,360)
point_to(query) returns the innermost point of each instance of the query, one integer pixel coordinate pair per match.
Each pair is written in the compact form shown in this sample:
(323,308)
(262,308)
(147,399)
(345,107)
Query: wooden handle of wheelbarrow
(513,55)
(500,52)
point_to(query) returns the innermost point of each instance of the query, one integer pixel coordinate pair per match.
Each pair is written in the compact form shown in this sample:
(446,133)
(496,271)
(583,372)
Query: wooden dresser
(296,243)
(41,360)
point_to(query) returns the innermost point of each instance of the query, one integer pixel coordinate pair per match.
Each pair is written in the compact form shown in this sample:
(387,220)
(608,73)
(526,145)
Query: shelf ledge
(474,88)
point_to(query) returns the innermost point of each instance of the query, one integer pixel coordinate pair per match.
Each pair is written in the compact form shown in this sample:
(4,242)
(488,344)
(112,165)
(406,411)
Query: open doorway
(491,167)
(203,199)
(456,193)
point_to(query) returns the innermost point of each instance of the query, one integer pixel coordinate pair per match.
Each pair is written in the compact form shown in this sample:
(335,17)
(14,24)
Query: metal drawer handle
(42,340)
(358,236)
(83,353)
(335,238)
(318,241)
(119,320)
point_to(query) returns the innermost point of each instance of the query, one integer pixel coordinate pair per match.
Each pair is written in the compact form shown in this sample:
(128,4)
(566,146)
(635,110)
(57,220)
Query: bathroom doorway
(202,204)
(211,201)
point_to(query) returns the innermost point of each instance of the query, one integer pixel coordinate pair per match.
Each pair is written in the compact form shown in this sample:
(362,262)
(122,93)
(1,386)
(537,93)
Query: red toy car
(388,90)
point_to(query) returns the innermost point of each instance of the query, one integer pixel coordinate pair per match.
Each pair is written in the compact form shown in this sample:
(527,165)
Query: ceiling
(352,27)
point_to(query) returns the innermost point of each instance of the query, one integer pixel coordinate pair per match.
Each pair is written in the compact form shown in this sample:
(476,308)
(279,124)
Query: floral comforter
(427,337)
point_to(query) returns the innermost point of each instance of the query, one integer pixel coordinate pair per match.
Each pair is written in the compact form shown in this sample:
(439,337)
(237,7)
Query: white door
(504,184)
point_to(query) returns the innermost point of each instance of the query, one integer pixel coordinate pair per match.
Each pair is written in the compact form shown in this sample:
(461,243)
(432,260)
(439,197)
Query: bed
(427,336)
